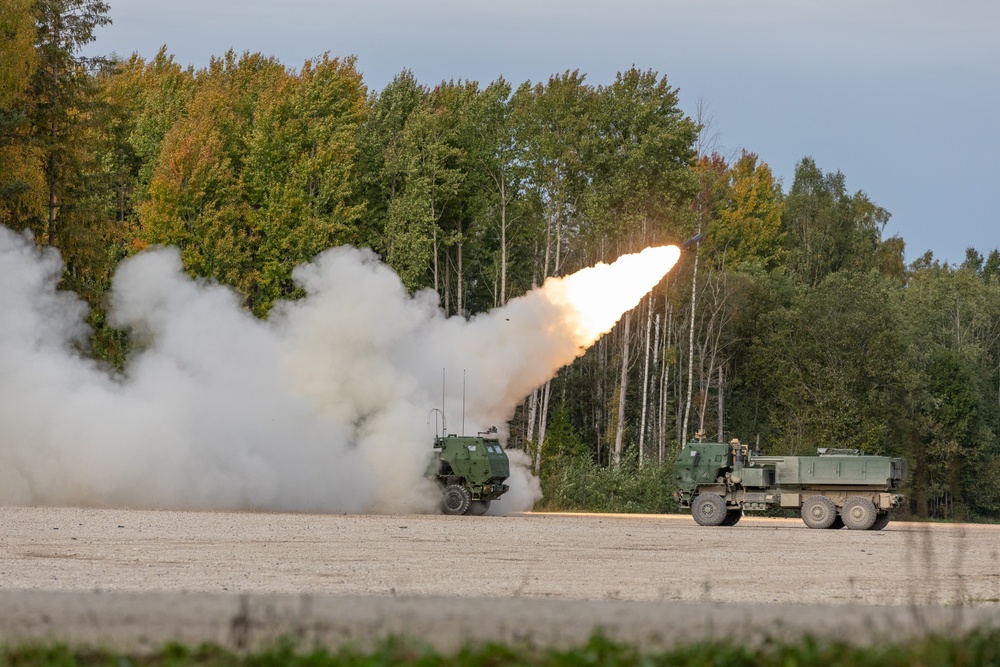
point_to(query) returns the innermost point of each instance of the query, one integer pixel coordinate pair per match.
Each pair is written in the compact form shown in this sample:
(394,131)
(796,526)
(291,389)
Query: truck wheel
(478,507)
(859,513)
(709,509)
(732,517)
(819,512)
(881,522)
(456,499)
(838,523)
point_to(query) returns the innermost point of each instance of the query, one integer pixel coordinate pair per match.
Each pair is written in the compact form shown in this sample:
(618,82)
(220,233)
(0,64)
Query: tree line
(795,324)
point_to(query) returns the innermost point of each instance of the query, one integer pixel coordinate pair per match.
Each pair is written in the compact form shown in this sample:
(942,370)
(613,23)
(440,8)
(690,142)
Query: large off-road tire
(455,499)
(838,523)
(478,507)
(732,517)
(881,522)
(709,509)
(819,512)
(859,513)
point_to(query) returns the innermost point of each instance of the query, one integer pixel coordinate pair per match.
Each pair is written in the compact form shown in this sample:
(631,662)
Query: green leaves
(828,230)
(300,177)
(833,368)
(953,319)
(643,151)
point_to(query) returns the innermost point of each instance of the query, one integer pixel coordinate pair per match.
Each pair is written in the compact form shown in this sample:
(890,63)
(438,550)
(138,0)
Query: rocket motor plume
(595,298)
(321,407)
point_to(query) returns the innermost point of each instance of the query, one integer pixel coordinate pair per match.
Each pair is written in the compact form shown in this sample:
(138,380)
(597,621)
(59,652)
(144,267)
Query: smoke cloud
(321,407)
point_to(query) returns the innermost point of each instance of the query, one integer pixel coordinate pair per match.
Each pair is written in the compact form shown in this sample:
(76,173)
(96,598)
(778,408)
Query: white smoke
(322,407)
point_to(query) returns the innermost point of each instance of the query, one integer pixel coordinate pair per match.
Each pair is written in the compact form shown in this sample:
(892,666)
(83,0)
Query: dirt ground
(138,578)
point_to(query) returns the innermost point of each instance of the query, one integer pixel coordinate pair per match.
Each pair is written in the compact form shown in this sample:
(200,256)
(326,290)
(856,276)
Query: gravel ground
(136,578)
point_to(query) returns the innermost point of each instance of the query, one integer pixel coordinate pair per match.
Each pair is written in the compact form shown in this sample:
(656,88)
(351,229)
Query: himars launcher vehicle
(837,488)
(470,471)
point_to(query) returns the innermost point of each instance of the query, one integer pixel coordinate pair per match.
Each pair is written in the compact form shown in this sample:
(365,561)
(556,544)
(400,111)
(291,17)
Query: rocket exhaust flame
(319,408)
(595,298)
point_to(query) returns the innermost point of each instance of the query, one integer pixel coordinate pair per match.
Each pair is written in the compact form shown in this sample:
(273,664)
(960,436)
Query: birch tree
(622,388)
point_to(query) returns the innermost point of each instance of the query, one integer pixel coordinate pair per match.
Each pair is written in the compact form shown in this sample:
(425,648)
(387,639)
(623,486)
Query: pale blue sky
(902,96)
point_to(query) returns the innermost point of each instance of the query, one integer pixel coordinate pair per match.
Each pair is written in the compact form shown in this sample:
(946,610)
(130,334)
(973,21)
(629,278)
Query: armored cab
(471,472)
(836,488)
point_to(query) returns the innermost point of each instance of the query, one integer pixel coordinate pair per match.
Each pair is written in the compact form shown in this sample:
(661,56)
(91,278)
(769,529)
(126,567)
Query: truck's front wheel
(455,499)
(708,509)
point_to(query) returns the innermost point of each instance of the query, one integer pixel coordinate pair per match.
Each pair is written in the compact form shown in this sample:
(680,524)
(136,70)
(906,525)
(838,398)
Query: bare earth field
(135,579)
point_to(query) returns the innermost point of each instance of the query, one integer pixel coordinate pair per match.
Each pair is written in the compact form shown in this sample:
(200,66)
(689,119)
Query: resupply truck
(837,488)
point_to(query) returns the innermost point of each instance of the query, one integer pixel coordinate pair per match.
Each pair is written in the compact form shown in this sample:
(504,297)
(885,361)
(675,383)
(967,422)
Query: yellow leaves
(22,178)
(18,58)
(747,207)
(24,173)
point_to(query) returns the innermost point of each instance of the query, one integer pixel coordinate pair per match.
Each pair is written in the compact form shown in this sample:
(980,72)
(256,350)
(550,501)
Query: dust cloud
(322,407)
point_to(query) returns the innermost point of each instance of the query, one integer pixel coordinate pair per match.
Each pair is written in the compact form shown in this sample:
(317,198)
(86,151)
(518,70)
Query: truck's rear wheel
(859,513)
(819,512)
(881,522)
(732,517)
(709,509)
(455,499)
(478,507)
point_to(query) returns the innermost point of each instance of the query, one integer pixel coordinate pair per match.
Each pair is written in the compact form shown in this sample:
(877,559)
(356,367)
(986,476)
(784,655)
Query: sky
(901,96)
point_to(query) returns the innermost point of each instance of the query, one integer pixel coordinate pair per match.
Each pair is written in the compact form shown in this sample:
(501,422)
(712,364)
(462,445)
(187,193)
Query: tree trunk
(437,284)
(548,247)
(665,384)
(543,420)
(557,269)
(654,399)
(446,281)
(721,403)
(706,370)
(679,392)
(459,301)
(503,241)
(687,402)
(600,402)
(645,380)
(622,386)
(532,408)
(53,138)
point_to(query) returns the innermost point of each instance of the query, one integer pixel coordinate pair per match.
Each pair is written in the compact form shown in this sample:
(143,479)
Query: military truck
(837,488)
(470,471)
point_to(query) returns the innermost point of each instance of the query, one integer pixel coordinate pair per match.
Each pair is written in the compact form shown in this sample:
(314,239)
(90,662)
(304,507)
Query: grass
(580,484)
(981,647)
